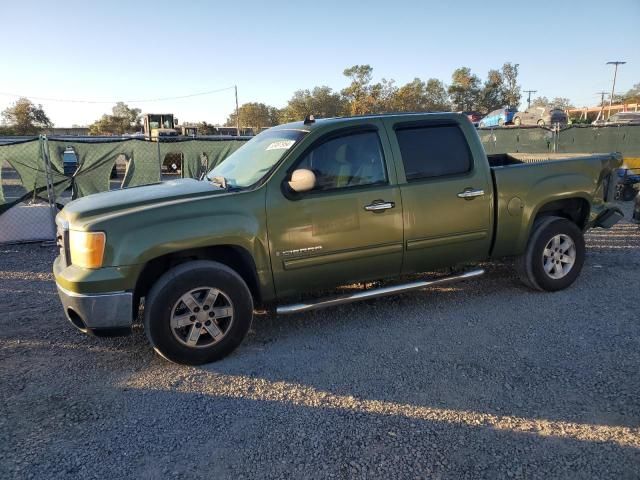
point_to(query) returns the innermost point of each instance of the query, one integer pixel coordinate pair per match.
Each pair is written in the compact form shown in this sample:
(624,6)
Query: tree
(321,102)
(632,95)
(362,97)
(558,102)
(512,94)
(206,129)
(255,115)
(493,92)
(418,96)
(122,120)
(464,90)
(25,118)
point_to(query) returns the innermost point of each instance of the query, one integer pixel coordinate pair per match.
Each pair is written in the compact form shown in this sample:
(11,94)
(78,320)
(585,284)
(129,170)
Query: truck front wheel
(197,312)
(554,255)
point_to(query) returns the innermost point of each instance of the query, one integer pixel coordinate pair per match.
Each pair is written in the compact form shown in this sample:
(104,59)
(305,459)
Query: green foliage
(362,97)
(493,95)
(464,90)
(322,102)
(205,128)
(512,94)
(418,96)
(557,102)
(255,115)
(25,118)
(122,120)
(632,95)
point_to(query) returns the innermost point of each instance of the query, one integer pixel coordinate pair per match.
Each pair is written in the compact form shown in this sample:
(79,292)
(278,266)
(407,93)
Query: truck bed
(520,180)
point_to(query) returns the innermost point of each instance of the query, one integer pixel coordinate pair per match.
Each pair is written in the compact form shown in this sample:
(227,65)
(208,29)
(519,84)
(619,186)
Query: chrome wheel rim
(201,317)
(559,256)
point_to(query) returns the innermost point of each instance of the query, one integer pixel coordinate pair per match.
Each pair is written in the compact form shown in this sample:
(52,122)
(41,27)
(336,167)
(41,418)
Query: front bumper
(105,314)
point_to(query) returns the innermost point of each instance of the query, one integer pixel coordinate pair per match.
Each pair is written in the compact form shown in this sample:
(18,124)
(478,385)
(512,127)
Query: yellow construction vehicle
(160,125)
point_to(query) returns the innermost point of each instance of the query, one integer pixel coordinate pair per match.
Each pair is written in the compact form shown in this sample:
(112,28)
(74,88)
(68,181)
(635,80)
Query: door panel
(447,216)
(349,228)
(326,240)
(442,229)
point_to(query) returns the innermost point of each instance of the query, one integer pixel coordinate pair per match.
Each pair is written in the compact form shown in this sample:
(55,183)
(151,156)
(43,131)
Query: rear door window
(433,151)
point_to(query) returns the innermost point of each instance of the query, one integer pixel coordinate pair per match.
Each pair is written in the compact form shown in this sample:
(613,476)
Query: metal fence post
(51,195)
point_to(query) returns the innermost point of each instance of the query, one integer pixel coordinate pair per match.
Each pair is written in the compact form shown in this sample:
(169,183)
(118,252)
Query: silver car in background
(541,116)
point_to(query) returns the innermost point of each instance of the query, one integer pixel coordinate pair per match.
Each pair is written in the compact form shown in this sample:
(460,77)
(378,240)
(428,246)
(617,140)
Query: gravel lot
(483,380)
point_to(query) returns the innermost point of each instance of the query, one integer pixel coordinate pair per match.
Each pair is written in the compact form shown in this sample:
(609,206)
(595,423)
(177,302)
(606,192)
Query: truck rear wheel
(197,312)
(554,255)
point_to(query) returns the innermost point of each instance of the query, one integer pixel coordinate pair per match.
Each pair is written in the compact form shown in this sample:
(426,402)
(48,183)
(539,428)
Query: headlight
(87,248)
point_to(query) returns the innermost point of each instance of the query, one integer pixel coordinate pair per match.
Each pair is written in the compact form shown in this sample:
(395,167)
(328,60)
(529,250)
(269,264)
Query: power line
(147,100)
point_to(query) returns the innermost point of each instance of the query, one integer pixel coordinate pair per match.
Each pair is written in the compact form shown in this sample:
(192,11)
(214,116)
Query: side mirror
(302,180)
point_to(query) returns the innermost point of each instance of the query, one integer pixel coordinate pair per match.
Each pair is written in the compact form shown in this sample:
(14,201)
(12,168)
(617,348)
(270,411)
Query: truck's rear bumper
(105,314)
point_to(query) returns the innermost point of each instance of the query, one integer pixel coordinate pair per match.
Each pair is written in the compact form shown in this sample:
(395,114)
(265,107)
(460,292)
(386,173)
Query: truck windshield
(254,159)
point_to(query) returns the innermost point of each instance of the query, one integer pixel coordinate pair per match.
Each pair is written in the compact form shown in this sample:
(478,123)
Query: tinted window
(347,161)
(433,151)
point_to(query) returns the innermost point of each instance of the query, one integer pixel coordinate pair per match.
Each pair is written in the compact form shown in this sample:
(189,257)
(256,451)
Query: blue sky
(120,50)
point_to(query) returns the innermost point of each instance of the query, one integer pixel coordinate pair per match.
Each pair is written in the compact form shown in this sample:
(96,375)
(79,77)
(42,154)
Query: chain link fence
(39,175)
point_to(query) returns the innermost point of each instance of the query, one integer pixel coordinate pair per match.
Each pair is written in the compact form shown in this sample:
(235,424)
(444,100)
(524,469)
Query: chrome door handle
(470,193)
(379,205)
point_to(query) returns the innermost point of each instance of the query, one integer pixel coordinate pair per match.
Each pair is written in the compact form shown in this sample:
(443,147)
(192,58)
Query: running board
(378,292)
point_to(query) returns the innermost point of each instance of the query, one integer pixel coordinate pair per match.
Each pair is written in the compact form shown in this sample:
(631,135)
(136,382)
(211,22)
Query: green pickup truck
(310,206)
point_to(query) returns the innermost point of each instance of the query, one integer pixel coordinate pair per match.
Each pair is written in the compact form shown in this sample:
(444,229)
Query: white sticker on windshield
(281,145)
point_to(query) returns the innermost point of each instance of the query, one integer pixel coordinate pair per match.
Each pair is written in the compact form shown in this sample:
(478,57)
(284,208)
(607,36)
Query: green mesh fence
(23,171)
(574,139)
(86,166)
(143,164)
(197,156)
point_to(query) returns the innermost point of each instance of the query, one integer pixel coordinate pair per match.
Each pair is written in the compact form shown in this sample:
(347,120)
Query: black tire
(167,292)
(531,264)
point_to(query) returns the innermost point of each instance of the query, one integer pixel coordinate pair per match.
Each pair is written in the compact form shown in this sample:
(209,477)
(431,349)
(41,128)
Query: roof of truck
(322,122)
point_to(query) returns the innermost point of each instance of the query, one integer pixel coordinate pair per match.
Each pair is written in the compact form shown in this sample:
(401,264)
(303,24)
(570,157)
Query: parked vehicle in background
(309,206)
(69,162)
(541,116)
(474,117)
(498,118)
(624,118)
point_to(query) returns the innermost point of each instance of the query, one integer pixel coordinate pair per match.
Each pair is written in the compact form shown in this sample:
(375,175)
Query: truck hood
(132,198)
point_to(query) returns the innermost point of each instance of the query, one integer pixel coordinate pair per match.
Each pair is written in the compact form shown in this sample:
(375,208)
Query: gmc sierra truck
(310,206)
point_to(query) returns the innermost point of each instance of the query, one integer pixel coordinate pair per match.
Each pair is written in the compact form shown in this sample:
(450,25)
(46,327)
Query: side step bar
(378,292)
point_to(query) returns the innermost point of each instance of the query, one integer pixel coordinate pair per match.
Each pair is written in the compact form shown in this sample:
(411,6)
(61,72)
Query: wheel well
(574,209)
(236,258)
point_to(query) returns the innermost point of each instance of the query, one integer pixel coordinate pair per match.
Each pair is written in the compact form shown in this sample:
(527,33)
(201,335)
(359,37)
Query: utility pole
(529,97)
(601,113)
(613,87)
(237,112)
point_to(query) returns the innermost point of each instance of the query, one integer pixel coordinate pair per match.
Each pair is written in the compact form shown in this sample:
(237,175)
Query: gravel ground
(483,380)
